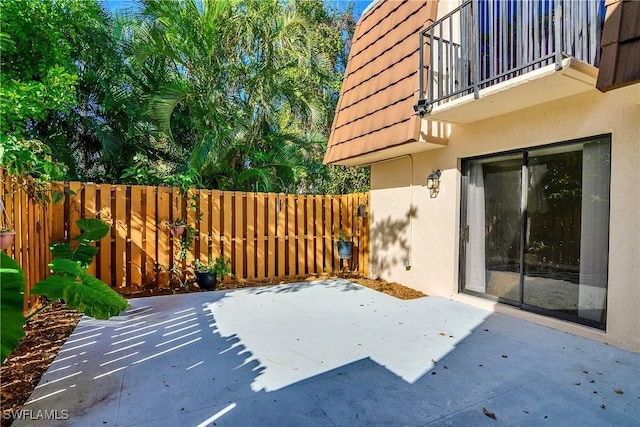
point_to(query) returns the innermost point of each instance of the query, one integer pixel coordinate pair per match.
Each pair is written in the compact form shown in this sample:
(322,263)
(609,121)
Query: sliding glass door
(536,227)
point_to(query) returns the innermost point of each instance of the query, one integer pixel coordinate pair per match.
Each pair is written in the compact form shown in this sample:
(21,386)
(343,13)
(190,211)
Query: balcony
(486,58)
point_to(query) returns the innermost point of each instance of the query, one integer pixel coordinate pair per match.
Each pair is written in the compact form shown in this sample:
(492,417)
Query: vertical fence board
(227,224)
(164,247)
(204,225)
(351,225)
(191,204)
(57,216)
(104,254)
(251,236)
(10,197)
(328,241)
(365,243)
(300,226)
(121,235)
(318,238)
(261,232)
(75,209)
(21,233)
(309,233)
(28,249)
(42,246)
(136,215)
(271,239)
(216,213)
(335,212)
(89,211)
(282,231)
(174,241)
(151,231)
(239,248)
(291,234)
(34,246)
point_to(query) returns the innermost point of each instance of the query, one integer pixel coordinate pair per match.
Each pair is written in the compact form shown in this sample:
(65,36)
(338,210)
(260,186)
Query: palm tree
(244,81)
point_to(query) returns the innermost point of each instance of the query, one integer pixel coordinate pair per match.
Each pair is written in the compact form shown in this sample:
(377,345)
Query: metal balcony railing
(482,43)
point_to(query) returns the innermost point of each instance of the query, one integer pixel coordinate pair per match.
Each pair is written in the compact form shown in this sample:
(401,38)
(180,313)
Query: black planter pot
(206,281)
(345,249)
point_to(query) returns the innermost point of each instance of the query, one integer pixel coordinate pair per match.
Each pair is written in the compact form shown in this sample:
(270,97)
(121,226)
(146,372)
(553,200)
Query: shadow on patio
(331,353)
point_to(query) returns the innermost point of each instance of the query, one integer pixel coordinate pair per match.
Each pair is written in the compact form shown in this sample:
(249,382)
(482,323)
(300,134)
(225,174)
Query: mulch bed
(21,371)
(47,331)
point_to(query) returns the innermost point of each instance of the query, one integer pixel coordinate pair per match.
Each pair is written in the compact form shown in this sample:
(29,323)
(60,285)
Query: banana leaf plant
(71,282)
(11,298)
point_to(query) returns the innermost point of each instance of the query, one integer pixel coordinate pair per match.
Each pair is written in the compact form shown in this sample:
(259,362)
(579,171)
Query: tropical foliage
(235,94)
(70,280)
(11,296)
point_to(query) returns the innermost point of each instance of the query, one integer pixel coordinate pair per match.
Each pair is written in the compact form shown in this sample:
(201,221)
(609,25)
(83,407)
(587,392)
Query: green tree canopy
(235,94)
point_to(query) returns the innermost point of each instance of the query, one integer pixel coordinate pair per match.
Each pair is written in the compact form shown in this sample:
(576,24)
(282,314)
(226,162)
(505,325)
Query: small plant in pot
(7,233)
(178,227)
(6,237)
(208,275)
(345,245)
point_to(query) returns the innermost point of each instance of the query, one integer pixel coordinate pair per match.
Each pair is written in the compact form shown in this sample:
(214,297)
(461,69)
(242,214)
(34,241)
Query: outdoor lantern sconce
(362,211)
(433,182)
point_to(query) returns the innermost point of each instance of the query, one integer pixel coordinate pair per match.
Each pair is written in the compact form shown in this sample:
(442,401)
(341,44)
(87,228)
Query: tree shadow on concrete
(390,242)
(343,285)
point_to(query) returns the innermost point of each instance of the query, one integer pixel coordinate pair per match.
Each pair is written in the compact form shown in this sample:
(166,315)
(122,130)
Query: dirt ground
(47,331)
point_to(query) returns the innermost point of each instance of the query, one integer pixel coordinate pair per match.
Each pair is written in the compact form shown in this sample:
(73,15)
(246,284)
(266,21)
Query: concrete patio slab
(329,353)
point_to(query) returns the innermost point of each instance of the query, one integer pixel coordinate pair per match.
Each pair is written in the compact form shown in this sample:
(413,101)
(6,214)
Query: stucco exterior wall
(406,223)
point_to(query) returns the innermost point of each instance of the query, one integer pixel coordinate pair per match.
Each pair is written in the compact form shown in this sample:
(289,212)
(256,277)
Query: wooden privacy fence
(32,223)
(265,235)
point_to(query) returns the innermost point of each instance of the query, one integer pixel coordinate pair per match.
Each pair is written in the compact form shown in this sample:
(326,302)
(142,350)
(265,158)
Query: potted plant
(207,275)
(178,227)
(345,245)
(6,237)
(7,232)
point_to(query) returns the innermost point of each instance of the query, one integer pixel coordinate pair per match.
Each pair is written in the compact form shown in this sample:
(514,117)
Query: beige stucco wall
(407,223)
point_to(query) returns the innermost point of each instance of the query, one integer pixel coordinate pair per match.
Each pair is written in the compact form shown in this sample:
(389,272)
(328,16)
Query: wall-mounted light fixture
(433,182)
(422,108)
(362,210)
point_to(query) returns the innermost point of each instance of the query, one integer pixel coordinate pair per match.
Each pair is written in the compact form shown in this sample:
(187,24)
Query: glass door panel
(552,237)
(493,227)
(537,229)
(565,260)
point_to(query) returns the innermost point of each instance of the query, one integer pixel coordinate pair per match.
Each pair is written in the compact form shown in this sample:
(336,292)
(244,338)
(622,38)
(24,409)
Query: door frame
(462,236)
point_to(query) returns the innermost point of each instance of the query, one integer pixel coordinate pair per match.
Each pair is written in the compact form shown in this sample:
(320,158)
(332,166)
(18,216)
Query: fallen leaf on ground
(618,391)
(488,413)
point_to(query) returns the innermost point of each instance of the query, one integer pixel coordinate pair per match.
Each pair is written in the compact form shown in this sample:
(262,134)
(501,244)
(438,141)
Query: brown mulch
(47,331)
(21,371)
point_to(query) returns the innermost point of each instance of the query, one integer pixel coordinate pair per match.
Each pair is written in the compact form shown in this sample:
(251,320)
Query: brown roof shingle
(620,64)
(375,109)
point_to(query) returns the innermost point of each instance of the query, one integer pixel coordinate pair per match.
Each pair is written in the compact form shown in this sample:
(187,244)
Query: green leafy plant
(71,282)
(178,222)
(344,236)
(220,267)
(11,299)
(31,166)
(184,181)
(186,240)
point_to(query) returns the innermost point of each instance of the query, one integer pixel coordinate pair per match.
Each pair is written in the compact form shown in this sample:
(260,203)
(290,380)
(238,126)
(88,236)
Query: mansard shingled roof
(379,89)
